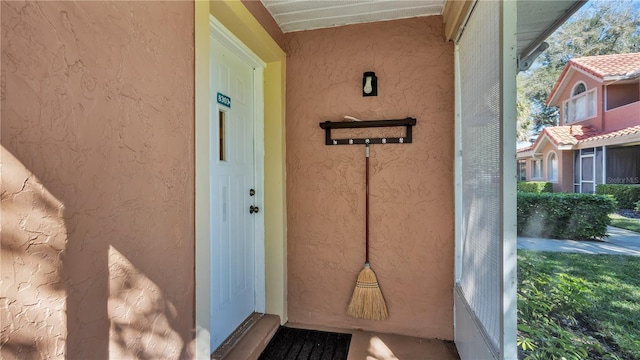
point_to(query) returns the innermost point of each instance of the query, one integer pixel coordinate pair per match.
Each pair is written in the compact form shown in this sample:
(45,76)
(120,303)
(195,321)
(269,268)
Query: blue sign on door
(224,100)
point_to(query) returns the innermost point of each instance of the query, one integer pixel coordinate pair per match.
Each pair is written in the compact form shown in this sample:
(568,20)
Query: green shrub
(535,186)
(638,206)
(627,195)
(564,216)
(547,303)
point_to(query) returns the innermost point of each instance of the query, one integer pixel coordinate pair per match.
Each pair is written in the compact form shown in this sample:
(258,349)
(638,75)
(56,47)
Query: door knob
(253,209)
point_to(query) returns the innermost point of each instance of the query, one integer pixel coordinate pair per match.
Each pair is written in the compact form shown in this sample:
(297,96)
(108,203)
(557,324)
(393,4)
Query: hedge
(535,186)
(564,216)
(627,195)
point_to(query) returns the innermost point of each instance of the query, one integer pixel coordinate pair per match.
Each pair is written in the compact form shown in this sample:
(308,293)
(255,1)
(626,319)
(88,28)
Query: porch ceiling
(537,19)
(299,15)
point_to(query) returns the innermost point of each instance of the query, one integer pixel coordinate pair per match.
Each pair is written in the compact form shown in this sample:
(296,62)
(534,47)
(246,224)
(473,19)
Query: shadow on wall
(32,296)
(97,194)
(147,332)
(33,305)
(33,300)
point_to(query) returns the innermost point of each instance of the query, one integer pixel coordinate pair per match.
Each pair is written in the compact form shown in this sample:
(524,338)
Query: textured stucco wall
(412,217)
(97,179)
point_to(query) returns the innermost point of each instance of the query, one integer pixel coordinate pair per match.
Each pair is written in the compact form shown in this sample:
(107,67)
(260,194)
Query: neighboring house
(598,139)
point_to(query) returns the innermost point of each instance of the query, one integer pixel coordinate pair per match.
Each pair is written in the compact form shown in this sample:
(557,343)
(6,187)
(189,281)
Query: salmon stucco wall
(97,180)
(565,172)
(546,151)
(411,209)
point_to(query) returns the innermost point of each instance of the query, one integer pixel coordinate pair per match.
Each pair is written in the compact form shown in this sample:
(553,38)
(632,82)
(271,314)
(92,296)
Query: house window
(581,105)
(579,89)
(619,95)
(522,170)
(552,167)
(623,165)
(536,166)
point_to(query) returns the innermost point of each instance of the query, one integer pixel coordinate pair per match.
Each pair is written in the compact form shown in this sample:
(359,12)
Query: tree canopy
(599,28)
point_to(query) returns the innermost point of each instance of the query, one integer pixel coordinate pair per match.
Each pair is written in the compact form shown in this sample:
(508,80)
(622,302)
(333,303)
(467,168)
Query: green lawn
(625,223)
(578,306)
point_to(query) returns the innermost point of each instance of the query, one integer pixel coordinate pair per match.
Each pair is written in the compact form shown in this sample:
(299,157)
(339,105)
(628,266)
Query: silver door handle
(253,209)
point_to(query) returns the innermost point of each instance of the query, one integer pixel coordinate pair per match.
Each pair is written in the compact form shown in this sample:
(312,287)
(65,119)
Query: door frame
(578,168)
(222,35)
(235,17)
(218,31)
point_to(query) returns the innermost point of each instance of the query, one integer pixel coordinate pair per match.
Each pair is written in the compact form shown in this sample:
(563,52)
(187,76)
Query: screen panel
(481,170)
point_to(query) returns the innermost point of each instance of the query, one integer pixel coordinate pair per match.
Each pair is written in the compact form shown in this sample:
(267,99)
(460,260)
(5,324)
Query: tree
(523,113)
(599,28)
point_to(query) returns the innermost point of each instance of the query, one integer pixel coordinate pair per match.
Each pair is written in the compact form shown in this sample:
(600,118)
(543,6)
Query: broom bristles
(367,301)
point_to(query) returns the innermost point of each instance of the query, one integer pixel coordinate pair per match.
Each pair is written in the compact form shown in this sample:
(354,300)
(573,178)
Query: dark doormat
(301,344)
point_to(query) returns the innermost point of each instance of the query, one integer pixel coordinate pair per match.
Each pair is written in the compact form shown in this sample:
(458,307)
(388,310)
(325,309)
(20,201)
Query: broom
(367,301)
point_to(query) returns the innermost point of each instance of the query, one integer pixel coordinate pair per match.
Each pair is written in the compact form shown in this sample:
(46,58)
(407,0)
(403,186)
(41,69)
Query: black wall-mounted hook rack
(407,139)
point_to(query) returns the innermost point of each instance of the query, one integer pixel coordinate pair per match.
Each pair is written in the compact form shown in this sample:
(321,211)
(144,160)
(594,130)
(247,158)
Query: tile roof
(622,132)
(600,66)
(603,66)
(571,134)
(524,149)
(578,134)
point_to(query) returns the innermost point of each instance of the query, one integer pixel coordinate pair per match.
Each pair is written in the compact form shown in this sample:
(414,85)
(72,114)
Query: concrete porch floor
(365,345)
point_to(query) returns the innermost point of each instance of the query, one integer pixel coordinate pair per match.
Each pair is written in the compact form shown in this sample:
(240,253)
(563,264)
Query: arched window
(580,106)
(552,167)
(579,89)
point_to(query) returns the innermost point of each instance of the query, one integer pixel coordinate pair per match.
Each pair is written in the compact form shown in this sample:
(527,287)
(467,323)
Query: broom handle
(366,205)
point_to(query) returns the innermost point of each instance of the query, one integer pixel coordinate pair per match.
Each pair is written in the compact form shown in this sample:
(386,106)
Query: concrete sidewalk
(619,242)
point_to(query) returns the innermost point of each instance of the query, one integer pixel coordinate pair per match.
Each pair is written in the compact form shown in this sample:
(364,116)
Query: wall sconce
(369,84)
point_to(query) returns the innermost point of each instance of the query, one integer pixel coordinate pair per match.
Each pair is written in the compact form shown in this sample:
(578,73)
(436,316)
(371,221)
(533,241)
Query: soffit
(299,15)
(537,19)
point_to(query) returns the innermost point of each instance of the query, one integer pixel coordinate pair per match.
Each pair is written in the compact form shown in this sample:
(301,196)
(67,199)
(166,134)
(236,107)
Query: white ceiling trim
(537,19)
(299,15)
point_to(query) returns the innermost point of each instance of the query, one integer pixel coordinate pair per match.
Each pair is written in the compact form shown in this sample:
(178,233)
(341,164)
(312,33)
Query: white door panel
(233,253)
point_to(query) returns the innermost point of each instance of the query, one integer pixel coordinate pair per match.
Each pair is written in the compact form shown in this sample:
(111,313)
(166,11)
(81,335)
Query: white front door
(233,249)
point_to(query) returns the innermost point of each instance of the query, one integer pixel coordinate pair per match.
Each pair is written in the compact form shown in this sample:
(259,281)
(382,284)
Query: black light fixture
(369,84)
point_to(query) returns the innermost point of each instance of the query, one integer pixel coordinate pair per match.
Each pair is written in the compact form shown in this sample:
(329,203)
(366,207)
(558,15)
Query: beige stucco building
(162,160)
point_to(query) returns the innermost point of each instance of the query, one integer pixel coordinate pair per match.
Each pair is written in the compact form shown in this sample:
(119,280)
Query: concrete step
(251,340)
